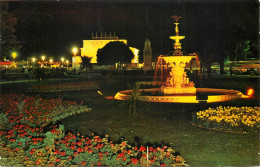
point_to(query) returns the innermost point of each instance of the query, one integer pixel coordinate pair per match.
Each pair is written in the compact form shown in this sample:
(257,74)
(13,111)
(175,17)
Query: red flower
(80,149)
(57,160)
(129,152)
(121,155)
(79,143)
(135,148)
(16,149)
(134,160)
(83,163)
(62,153)
(75,154)
(32,151)
(152,160)
(163,165)
(12,140)
(144,155)
(142,148)
(123,143)
(38,162)
(56,151)
(90,151)
(151,149)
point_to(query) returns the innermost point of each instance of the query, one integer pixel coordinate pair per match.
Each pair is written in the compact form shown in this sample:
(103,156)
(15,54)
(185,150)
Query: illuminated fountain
(176,88)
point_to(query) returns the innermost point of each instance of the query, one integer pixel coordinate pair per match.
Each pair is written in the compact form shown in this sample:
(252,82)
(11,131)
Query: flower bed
(64,87)
(232,119)
(29,138)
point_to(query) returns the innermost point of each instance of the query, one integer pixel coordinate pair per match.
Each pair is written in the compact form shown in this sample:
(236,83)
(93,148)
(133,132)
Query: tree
(8,38)
(114,52)
(86,64)
(243,50)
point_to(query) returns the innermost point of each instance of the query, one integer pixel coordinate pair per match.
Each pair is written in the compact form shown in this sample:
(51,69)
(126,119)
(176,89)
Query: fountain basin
(207,95)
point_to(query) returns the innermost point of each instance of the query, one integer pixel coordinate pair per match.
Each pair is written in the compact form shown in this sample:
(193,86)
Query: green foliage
(4,122)
(243,50)
(114,52)
(134,103)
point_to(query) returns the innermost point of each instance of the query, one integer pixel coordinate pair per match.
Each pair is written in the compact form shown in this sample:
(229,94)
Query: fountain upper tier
(177,82)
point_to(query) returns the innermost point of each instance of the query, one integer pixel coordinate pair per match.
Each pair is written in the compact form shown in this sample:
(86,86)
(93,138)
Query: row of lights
(74,50)
(50,60)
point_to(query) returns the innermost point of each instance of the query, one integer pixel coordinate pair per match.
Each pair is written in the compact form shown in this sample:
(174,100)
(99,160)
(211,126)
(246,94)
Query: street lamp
(75,50)
(67,62)
(43,58)
(33,60)
(14,55)
(62,60)
(51,61)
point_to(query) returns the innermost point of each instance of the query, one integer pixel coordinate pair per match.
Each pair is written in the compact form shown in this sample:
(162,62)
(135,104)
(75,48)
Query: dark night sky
(53,28)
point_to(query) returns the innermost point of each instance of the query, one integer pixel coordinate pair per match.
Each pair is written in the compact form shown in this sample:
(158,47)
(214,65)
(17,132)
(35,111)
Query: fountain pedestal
(178,82)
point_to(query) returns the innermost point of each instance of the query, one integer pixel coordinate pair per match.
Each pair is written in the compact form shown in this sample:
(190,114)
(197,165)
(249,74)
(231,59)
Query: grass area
(166,124)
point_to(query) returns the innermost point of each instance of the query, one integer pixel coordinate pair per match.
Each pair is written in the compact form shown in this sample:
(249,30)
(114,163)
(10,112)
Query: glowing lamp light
(14,55)
(43,58)
(51,61)
(33,59)
(75,50)
(62,59)
(250,92)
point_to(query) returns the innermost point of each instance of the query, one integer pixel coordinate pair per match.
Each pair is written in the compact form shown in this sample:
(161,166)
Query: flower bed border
(195,123)
(53,147)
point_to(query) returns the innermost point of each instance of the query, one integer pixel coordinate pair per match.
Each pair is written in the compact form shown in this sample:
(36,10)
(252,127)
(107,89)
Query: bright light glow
(250,92)
(75,50)
(33,59)
(100,93)
(51,61)
(14,55)
(67,61)
(62,59)
(43,58)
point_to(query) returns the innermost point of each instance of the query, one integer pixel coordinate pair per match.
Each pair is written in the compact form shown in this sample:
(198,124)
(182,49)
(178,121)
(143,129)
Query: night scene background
(212,28)
(58,111)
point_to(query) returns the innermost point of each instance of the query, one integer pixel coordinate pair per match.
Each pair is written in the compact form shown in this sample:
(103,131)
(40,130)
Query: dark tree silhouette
(86,64)
(8,38)
(114,52)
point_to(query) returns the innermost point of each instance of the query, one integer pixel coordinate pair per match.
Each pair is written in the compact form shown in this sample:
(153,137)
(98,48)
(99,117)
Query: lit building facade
(90,47)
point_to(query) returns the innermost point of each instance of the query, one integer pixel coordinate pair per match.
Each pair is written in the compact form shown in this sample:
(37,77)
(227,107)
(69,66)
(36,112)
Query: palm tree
(86,64)
(134,103)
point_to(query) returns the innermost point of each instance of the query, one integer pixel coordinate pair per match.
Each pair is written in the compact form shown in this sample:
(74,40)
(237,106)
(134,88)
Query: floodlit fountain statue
(177,88)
